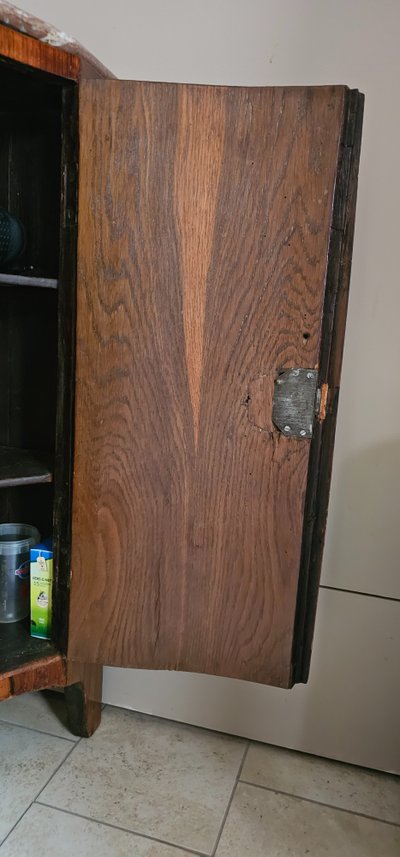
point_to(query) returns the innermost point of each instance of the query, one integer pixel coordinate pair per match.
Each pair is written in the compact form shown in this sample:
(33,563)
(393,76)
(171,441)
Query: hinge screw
(303,433)
(286,428)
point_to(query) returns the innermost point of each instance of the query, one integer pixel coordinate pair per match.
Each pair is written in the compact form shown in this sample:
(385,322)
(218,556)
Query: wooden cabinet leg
(83,698)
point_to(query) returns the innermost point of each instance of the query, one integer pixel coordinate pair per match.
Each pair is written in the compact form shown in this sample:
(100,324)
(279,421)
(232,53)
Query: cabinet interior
(32,370)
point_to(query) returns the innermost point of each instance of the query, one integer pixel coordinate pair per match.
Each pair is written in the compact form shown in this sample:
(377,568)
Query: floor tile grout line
(320,803)
(231,796)
(40,792)
(170,844)
(74,745)
(41,731)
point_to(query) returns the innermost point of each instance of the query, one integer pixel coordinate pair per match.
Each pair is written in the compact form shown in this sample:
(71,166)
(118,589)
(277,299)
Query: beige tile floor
(152,788)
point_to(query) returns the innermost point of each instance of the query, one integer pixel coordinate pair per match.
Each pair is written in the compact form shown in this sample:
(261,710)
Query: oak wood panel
(204,218)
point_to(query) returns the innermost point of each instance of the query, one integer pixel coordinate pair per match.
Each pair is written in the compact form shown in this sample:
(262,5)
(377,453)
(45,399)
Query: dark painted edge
(331,352)
(63,467)
(84,714)
(75,701)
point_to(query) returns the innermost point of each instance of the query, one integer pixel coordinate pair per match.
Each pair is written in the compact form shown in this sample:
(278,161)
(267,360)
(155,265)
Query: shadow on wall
(363,539)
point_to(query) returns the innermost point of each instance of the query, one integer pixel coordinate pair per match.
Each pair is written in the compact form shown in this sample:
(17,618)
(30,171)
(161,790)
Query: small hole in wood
(306,336)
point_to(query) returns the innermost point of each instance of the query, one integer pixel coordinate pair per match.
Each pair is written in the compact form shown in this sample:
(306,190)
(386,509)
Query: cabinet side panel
(204,218)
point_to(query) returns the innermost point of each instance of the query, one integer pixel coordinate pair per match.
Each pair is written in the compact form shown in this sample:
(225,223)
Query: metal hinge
(297,401)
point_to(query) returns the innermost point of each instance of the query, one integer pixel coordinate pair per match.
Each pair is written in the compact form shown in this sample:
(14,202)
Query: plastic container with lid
(16,540)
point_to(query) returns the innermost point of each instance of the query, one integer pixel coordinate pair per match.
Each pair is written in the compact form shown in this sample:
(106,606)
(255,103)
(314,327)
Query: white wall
(350,709)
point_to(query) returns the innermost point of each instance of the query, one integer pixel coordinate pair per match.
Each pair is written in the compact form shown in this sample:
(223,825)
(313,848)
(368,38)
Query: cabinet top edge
(35,28)
(338,89)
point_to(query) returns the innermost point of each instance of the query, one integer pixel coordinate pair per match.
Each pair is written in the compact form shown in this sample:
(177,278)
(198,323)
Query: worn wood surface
(204,221)
(32,26)
(83,697)
(36,674)
(330,362)
(37,55)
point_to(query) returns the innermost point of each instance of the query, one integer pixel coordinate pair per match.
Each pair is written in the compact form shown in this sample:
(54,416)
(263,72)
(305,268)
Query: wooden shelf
(17,647)
(22,467)
(27,663)
(21,280)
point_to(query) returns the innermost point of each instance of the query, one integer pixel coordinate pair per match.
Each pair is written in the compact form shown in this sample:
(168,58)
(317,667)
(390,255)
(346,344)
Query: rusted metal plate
(295,401)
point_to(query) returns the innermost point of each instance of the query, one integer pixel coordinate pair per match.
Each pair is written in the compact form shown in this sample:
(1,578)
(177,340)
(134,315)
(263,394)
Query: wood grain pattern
(30,25)
(332,340)
(195,212)
(37,55)
(204,218)
(36,675)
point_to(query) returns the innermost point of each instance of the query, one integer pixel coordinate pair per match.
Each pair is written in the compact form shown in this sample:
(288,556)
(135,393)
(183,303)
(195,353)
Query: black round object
(12,237)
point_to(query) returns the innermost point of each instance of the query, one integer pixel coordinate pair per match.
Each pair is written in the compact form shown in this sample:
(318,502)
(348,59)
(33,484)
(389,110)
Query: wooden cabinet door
(214,238)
